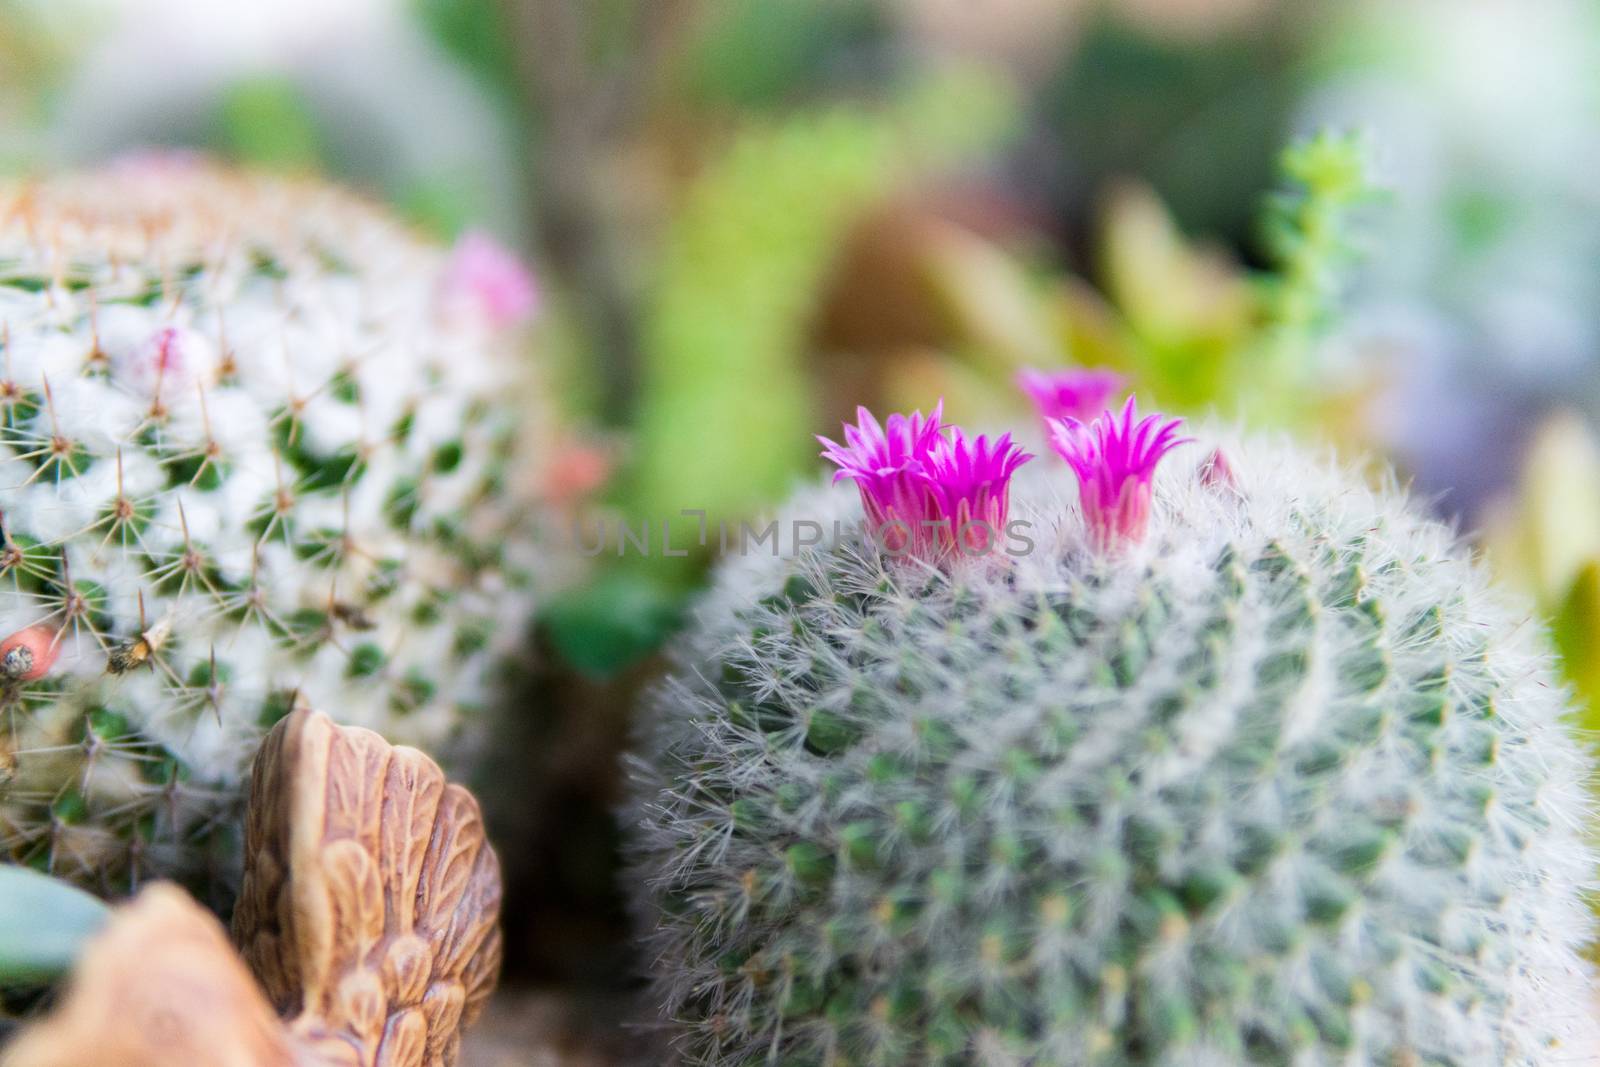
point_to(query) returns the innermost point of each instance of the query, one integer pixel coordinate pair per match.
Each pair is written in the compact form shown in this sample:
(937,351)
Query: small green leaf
(44,923)
(615,621)
(1576,628)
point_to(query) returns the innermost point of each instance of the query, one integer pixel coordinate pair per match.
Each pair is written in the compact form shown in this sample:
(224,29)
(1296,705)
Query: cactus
(259,449)
(1237,761)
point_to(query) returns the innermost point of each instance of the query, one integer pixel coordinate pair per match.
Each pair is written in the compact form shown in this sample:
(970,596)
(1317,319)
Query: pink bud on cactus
(1070,394)
(927,495)
(166,365)
(576,469)
(485,274)
(28,654)
(1115,460)
(1217,473)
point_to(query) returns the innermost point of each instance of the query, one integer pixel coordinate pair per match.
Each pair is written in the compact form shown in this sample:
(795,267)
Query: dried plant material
(369,913)
(371,898)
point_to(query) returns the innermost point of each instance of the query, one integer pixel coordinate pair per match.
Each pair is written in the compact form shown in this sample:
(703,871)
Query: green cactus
(257,446)
(1285,783)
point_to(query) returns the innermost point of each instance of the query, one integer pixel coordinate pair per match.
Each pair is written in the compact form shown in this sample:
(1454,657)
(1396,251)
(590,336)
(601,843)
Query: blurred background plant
(750,216)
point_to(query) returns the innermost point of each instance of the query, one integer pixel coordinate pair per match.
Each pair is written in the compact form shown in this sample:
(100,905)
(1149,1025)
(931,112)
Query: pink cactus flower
(1115,460)
(927,494)
(483,273)
(971,483)
(28,654)
(1075,393)
(886,464)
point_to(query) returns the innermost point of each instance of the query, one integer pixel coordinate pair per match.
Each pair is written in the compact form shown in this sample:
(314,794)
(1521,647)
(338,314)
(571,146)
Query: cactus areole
(1229,770)
(259,448)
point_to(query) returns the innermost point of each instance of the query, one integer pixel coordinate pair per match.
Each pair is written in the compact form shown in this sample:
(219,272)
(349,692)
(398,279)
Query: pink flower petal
(1115,460)
(488,275)
(928,490)
(1075,393)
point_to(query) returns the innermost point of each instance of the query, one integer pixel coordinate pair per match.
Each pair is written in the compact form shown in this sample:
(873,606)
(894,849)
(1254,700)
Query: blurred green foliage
(267,122)
(1305,228)
(1575,625)
(479,35)
(1198,119)
(1546,542)
(727,406)
(1206,336)
(619,618)
(1310,241)
(763,54)
(35,49)
(1192,328)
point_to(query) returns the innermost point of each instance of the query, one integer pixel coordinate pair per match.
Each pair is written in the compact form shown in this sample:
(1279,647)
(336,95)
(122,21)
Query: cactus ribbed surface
(1283,784)
(258,449)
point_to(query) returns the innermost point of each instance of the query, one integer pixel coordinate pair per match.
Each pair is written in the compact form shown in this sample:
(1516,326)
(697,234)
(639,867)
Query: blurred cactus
(1307,235)
(261,447)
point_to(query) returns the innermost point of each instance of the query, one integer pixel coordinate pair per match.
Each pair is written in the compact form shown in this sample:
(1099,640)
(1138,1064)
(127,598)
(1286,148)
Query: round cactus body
(258,448)
(1280,783)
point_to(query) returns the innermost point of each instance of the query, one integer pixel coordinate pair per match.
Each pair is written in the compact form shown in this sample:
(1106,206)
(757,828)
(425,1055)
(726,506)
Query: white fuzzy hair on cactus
(259,446)
(1265,775)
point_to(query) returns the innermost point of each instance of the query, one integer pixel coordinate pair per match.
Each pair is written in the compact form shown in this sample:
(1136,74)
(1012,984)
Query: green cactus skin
(1285,784)
(306,497)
